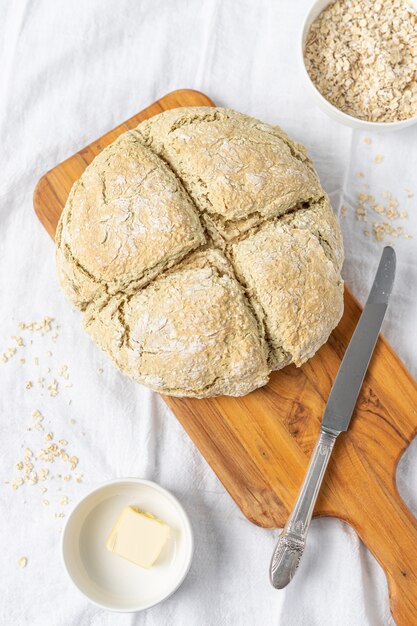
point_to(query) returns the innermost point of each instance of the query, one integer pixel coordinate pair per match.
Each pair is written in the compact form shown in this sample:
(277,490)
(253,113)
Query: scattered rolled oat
(63,371)
(367,140)
(388,208)
(361,213)
(378,158)
(44,325)
(18,482)
(43,473)
(380,229)
(378,208)
(41,382)
(53,388)
(8,354)
(362,57)
(30,468)
(22,561)
(38,417)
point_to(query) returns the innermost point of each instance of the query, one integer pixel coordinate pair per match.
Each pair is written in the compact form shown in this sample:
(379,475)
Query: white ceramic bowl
(335,113)
(106,579)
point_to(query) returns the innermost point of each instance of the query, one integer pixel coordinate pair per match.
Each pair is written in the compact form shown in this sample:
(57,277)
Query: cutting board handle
(389,530)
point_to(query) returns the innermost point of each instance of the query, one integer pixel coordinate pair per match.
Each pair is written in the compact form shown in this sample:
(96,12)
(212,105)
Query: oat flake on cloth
(70,71)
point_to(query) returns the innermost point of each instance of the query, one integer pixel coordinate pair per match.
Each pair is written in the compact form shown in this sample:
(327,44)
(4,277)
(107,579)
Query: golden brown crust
(127,219)
(301,301)
(175,337)
(237,170)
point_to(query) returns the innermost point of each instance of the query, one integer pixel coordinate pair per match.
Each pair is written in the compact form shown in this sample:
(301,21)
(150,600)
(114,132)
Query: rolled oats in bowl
(362,57)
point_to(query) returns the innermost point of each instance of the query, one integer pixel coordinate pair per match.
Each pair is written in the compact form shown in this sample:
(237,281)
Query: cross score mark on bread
(203,252)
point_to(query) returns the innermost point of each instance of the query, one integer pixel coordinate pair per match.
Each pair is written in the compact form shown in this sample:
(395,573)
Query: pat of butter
(138,537)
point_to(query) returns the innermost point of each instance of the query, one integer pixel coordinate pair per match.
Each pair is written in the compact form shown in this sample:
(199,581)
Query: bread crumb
(367,141)
(22,561)
(378,158)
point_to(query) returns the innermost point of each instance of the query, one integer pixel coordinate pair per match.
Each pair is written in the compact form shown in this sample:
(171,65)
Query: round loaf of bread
(203,252)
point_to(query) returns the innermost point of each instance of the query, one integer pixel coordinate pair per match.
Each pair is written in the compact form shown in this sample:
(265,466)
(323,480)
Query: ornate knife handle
(291,541)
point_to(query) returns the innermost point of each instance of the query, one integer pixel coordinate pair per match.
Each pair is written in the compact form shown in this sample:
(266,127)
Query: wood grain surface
(259,445)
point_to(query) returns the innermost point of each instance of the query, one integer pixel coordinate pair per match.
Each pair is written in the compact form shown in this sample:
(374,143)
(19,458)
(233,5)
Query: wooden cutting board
(259,445)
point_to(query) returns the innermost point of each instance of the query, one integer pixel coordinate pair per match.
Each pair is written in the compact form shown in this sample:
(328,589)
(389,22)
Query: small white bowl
(106,579)
(335,113)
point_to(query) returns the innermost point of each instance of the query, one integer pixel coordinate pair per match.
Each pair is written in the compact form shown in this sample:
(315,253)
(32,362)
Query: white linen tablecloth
(70,71)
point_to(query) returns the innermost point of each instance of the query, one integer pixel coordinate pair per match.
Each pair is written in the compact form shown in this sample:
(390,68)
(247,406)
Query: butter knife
(336,418)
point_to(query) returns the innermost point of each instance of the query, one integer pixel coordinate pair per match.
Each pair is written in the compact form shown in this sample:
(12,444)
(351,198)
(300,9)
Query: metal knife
(336,418)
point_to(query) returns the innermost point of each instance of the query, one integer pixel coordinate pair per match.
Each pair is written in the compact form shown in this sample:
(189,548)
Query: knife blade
(336,419)
(349,379)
